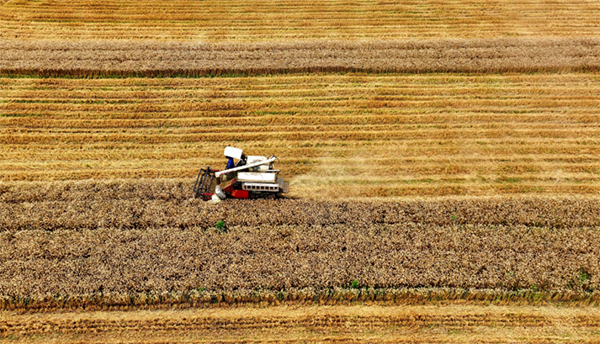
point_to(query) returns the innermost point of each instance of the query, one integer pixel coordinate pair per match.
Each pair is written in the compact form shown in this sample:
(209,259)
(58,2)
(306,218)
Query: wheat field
(68,240)
(347,134)
(443,156)
(232,20)
(338,324)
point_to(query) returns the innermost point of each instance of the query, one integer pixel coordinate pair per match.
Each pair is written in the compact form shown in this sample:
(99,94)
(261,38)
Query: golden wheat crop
(108,110)
(114,265)
(308,323)
(335,135)
(152,58)
(111,241)
(235,20)
(98,204)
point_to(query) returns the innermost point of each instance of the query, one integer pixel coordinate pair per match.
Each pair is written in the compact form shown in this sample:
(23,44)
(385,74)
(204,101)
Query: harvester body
(251,177)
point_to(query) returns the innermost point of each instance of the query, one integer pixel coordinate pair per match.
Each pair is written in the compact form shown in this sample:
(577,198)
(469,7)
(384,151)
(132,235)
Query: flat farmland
(312,324)
(348,134)
(443,159)
(113,261)
(254,20)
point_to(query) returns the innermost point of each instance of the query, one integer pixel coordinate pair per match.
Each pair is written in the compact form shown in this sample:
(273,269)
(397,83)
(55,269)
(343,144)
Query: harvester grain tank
(251,176)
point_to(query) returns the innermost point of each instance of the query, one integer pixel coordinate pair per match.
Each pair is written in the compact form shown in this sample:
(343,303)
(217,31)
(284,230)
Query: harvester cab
(251,176)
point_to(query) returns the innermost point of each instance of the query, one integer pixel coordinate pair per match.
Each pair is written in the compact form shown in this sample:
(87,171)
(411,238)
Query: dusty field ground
(373,323)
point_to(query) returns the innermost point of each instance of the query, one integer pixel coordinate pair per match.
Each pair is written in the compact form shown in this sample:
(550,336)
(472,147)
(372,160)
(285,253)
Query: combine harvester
(251,177)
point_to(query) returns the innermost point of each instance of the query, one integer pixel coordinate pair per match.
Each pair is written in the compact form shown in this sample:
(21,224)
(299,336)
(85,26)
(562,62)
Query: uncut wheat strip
(339,112)
(339,105)
(460,184)
(276,258)
(492,55)
(167,151)
(348,80)
(190,171)
(322,10)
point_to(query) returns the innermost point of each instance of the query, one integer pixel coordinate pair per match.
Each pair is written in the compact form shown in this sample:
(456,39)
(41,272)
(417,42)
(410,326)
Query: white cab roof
(232,152)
